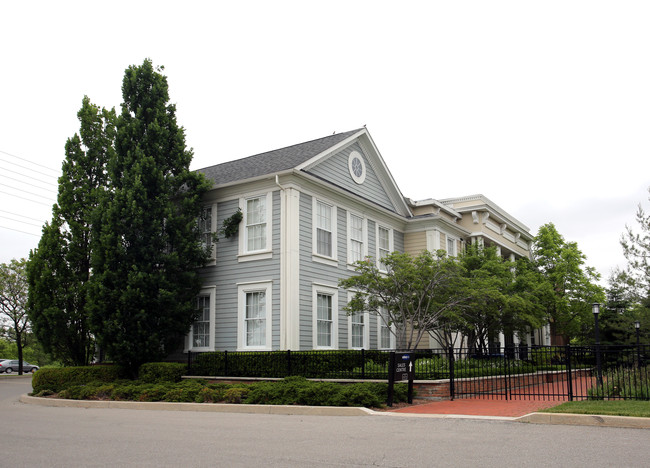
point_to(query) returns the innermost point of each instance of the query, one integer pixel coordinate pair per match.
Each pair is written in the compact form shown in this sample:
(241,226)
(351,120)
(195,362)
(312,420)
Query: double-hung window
(356,238)
(254,329)
(325,322)
(384,245)
(201,326)
(324,235)
(386,338)
(201,335)
(255,238)
(451,246)
(358,327)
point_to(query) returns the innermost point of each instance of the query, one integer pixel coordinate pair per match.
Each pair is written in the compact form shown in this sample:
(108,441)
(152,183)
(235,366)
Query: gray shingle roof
(272,161)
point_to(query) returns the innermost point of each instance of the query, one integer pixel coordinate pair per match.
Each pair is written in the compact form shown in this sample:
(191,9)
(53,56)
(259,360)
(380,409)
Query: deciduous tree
(13,300)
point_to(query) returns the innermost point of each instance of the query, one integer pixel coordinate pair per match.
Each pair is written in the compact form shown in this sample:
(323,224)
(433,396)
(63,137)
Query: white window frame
(189,345)
(381,324)
(333,259)
(379,250)
(454,243)
(242,290)
(364,238)
(334,293)
(265,251)
(213,229)
(366,330)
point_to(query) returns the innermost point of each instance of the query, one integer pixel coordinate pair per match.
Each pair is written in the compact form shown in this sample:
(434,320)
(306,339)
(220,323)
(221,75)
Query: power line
(19,221)
(26,191)
(18,230)
(31,162)
(28,199)
(26,183)
(22,216)
(32,178)
(25,167)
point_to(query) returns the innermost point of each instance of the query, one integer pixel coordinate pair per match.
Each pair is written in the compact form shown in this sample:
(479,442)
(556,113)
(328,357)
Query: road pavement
(68,437)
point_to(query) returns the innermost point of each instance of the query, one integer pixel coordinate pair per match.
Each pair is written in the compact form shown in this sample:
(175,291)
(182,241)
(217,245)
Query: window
(451,247)
(384,244)
(325,321)
(254,329)
(207,228)
(324,235)
(358,330)
(201,335)
(386,338)
(356,236)
(255,240)
(255,224)
(201,326)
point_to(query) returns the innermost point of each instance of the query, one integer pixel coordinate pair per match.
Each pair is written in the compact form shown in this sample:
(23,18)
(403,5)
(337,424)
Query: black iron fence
(549,372)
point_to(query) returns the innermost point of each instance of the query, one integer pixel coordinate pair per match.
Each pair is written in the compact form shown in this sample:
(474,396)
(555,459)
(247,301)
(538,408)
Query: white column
(290,269)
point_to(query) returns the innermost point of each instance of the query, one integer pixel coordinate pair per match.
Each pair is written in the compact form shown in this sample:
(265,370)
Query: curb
(585,420)
(203,407)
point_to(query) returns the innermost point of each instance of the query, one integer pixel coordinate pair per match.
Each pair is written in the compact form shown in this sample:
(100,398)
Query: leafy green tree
(148,249)
(414,294)
(636,249)
(506,297)
(13,300)
(59,270)
(574,285)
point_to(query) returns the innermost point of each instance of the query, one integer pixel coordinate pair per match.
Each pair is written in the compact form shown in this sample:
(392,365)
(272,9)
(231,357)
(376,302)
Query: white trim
(359,179)
(390,243)
(266,252)
(330,291)
(380,323)
(210,291)
(366,330)
(251,287)
(318,257)
(290,269)
(364,235)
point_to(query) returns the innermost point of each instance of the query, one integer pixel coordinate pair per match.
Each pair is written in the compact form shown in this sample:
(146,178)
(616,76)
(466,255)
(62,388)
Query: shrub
(236,394)
(157,372)
(58,379)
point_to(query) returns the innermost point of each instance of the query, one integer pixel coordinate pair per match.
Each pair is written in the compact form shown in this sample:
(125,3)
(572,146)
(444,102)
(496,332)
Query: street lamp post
(637,326)
(595,308)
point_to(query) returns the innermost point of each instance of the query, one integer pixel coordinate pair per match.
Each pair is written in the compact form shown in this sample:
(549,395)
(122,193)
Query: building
(308,212)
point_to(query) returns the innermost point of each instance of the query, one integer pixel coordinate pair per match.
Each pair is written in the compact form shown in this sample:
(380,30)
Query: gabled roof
(272,161)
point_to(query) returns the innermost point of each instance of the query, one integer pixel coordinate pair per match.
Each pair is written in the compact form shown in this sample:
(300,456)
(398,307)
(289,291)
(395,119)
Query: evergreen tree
(59,270)
(148,249)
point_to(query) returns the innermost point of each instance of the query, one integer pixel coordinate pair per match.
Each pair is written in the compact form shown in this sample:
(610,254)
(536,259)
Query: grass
(636,408)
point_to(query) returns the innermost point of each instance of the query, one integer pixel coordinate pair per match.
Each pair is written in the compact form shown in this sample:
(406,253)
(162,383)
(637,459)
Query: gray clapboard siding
(335,170)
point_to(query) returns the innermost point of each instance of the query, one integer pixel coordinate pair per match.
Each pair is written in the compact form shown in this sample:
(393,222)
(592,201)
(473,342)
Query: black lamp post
(595,308)
(637,326)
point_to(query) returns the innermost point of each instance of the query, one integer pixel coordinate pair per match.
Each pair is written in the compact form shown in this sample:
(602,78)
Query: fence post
(569,377)
(451,373)
(363,364)
(189,362)
(225,363)
(288,363)
(506,376)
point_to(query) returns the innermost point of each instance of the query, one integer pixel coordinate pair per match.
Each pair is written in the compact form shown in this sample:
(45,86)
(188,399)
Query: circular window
(357,167)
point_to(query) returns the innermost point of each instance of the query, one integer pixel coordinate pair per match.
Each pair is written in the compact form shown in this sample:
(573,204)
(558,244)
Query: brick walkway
(495,405)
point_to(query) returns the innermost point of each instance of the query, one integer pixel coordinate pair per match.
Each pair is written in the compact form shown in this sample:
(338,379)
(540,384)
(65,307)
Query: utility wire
(25,167)
(26,191)
(29,176)
(22,216)
(19,221)
(28,199)
(31,162)
(26,183)
(18,230)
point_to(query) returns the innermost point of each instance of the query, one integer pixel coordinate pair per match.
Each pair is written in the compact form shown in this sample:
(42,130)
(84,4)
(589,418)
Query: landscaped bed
(162,382)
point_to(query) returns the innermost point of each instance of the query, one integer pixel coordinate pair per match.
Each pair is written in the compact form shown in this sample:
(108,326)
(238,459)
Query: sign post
(401,368)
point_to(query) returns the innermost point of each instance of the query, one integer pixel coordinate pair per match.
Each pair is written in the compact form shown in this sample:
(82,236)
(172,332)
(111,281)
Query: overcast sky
(543,107)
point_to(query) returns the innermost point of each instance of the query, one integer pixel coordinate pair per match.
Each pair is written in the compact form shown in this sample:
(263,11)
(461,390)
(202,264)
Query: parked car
(9,366)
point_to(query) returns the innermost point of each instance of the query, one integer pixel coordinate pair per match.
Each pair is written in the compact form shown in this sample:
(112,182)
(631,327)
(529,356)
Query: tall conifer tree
(59,270)
(144,264)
